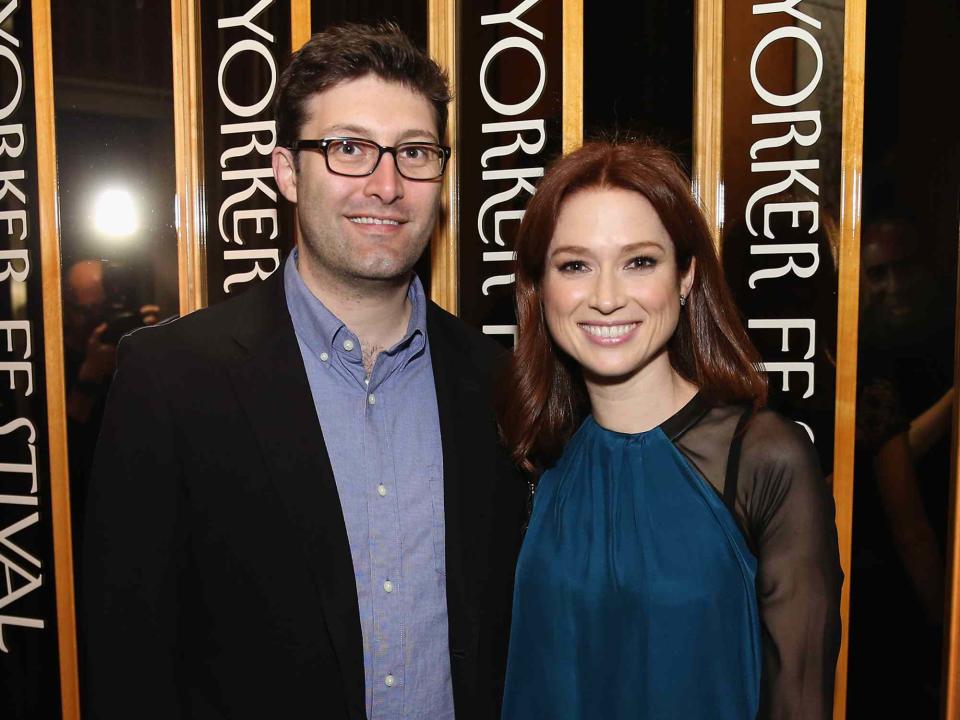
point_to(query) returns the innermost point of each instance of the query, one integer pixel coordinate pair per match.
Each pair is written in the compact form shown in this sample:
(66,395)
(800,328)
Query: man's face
(896,289)
(371,228)
(83,302)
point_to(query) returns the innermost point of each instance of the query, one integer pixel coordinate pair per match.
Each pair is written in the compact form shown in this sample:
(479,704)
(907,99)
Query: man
(300,507)
(98,307)
(904,413)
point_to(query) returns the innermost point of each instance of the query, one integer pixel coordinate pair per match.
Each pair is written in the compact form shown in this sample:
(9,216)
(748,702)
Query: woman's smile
(607,334)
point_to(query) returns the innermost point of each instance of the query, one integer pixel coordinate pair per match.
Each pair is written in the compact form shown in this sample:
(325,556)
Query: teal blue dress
(635,590)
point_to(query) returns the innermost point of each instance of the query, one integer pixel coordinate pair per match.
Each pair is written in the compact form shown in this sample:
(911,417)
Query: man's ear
(285,172)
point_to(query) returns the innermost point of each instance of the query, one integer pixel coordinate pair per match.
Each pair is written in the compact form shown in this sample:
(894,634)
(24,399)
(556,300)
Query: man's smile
(375,220)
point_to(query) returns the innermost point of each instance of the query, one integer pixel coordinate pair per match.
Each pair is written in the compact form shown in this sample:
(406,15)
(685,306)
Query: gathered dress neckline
(635,592)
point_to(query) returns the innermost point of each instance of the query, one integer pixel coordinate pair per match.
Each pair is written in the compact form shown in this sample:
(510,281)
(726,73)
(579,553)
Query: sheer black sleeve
(789,514)
(781,501)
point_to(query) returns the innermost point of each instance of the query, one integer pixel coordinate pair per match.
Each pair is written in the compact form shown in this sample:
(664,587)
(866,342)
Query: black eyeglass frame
(323,144)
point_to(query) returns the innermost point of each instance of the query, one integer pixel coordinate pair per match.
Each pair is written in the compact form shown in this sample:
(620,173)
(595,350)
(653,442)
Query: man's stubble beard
(329,258)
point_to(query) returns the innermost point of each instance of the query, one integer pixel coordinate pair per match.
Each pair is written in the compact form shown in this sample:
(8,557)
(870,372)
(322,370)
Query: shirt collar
(323,332)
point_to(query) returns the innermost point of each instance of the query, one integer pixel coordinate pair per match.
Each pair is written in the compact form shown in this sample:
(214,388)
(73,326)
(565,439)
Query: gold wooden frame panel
(951,638)
(851,182)
(442,17)
(188,145)
(53,357)
(708,112)
(301,30)
(572,75)
(300,23)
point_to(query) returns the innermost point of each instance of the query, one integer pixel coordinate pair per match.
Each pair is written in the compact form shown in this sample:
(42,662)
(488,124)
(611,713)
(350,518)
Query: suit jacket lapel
(272,387)
(459,403)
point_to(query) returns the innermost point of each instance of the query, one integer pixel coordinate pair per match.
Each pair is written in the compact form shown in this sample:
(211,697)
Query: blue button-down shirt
(382,433)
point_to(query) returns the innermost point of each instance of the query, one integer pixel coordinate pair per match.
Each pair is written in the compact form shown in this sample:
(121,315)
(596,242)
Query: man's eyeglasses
(356,157)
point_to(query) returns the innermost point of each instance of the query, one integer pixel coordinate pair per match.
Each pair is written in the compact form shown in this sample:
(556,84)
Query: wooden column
(53,355)
(572,74)
(847,314)
(442,44)
(191,243)
(300,23)
(708,112)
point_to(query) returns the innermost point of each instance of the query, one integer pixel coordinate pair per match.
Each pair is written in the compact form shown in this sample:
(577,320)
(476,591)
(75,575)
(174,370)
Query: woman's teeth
(609,331)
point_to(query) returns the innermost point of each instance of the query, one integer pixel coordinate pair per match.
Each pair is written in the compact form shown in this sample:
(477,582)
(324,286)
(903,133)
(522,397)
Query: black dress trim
(733,465)
(686,417)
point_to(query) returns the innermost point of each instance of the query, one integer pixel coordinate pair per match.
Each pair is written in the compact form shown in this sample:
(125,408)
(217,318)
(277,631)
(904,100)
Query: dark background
(638,64)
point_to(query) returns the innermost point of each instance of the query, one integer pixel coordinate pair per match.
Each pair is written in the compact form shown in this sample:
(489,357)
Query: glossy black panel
(782,101)
(116,176)
(510,86)
(905,389)
(410,16)
(244,48)
(638,61)
(29,658)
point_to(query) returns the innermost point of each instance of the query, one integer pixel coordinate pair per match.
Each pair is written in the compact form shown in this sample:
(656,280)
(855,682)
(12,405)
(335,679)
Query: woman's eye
(642,263)
(413,153)
(572,266)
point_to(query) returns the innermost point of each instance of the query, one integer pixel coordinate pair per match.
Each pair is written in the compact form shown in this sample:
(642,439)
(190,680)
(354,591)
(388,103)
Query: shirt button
(387,586)
(382,490)
(372,399)
(348,345)
(324,357)
(388,681)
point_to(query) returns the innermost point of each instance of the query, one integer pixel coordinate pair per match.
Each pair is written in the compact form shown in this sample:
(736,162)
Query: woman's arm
(930,425)
(912,533)
(791,517)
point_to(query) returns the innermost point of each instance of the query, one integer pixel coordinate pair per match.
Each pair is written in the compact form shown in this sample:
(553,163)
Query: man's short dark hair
(348,52)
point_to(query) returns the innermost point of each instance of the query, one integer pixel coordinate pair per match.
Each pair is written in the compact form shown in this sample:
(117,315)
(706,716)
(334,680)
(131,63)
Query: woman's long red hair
(544,398)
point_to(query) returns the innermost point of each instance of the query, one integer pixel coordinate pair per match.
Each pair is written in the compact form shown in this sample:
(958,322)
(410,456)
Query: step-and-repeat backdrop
(120,101)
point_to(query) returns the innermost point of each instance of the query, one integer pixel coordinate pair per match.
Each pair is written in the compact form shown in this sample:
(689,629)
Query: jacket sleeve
(791,517)
(132,551)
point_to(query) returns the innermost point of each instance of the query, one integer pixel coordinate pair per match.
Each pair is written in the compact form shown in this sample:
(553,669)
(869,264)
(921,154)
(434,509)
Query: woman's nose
(607,295)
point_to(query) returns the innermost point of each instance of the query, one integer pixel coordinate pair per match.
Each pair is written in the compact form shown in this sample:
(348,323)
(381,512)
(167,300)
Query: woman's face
(611,289)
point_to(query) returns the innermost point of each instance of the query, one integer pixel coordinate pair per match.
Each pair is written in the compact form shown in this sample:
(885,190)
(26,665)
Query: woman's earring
(683,300)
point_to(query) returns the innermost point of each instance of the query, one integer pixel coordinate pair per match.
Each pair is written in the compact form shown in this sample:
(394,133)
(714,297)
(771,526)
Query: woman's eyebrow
(631,248)
(572,249)
(645,245)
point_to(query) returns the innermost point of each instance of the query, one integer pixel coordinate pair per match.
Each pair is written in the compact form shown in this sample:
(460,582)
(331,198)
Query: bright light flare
(115,214)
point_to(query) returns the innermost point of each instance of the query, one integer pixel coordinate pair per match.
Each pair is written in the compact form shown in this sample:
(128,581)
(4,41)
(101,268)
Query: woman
(681,558)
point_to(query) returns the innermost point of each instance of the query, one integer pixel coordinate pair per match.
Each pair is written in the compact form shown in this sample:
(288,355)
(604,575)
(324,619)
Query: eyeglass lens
(357,157)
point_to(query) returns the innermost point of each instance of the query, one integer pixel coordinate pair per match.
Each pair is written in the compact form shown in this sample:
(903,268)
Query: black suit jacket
(217,580)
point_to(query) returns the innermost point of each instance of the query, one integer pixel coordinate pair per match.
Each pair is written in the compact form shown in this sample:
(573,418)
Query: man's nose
(385,182)
(896,280)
